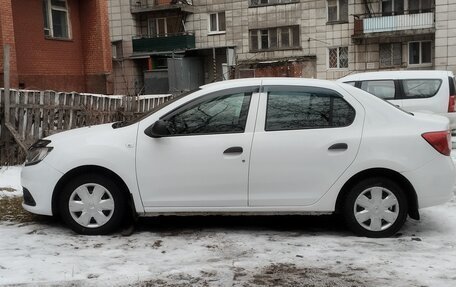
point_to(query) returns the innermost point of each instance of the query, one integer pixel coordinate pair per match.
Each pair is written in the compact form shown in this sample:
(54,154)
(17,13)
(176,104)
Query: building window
(420,53)
(217,22)
(390,54)
(419,6)
(56,19)
(157,27)
(275,38)
(338,58)
(337,10)
(392,7)
(254,3)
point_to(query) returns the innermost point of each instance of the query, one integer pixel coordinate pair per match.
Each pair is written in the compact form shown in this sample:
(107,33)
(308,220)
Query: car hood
(81,132)
(88,134)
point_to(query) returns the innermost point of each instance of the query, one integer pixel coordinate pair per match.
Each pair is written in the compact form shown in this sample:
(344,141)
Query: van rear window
(422,88)
(452,86)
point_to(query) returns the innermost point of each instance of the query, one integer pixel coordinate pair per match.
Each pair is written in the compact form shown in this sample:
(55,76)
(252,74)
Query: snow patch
(10,181)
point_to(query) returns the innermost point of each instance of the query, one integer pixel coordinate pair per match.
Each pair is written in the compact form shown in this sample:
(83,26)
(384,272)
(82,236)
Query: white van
(414,91)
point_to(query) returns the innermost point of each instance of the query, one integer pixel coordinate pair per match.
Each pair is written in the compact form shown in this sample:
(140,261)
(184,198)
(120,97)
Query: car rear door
(305,138)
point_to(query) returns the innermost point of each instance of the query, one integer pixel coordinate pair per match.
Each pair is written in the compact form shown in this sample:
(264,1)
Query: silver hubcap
(91,205)
(376,208)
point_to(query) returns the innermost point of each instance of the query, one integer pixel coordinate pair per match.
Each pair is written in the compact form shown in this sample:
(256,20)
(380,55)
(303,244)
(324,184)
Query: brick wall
(7,37)
(41,60)
(97,56)
(81,63)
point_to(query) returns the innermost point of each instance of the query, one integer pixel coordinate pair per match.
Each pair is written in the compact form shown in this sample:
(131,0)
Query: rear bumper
(39,180)
(435,182)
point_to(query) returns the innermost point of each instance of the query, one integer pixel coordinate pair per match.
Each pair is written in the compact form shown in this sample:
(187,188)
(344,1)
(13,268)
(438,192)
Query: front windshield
(157,108)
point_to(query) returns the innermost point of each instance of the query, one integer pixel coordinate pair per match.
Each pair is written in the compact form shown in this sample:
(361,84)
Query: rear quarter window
(420,88)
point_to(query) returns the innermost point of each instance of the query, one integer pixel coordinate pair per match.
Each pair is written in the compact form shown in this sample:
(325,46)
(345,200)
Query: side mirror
(158,129)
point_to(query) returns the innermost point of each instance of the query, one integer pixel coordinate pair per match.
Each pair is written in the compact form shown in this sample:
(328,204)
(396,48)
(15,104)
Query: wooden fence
(37,114)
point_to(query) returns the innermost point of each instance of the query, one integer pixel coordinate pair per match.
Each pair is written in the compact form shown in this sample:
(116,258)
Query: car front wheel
(92,204)
(375,207)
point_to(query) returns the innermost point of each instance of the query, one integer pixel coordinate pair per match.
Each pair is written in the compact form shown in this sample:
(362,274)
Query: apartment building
(174,45)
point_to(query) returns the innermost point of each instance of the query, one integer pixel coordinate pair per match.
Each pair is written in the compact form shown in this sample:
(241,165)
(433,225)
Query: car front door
(305,138)
(203,162)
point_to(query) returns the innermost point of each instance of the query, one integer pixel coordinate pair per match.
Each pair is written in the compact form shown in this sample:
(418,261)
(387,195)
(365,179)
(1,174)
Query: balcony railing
(138,6)
(169,42)
(411,21)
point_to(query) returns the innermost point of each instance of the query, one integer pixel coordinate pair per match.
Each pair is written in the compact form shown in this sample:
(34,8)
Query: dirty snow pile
(10,181)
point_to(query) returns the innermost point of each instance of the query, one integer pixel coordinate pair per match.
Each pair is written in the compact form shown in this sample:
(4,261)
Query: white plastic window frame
(51,7)
(338,19)
(209,27)
(338,58)
(420,64)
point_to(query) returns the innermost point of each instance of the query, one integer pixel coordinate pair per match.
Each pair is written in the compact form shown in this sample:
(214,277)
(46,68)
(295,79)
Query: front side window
(337,10)
(306,109)
(217,22)
(422,88)
(338,58)
(56,19)
(275,38)
(384,89)
(213,115)
(390,54)
(420,53)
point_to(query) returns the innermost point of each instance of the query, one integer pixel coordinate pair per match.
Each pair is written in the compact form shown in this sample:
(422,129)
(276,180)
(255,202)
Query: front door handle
(233,150)
(339,146)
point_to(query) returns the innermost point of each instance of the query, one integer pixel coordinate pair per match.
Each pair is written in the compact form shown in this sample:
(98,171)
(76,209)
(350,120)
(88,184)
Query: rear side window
(384,89)
(306,109)
(421,88)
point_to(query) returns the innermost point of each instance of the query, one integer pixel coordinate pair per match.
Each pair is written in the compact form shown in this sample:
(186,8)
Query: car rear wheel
(92,204)
(375,207)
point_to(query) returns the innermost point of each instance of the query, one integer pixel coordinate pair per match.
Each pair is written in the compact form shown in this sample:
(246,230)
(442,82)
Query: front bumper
(39,180)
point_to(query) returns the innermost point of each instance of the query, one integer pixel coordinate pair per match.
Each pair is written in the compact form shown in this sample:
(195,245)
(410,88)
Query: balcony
(170,42)
(140,6)
(396,25)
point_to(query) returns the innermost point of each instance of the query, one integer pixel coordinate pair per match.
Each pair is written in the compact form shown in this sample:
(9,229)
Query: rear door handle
(338,146)
(233,150)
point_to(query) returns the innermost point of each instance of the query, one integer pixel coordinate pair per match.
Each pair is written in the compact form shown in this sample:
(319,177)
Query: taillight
(441,141)
(451,104)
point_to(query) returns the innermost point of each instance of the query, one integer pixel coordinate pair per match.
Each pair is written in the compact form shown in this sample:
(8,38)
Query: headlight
(37,152)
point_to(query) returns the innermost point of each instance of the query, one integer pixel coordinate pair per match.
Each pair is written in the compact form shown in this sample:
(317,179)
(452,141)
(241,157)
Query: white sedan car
(252,146)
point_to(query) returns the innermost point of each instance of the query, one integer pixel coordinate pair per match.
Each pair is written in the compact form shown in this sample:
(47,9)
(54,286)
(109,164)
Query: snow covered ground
(228,251)
(9,181)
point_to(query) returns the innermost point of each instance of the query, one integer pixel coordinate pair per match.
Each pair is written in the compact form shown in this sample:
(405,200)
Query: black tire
(388,229)
(119,212)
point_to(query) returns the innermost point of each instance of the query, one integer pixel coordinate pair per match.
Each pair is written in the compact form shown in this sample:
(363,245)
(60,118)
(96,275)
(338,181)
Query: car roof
(396,75)
(270,81)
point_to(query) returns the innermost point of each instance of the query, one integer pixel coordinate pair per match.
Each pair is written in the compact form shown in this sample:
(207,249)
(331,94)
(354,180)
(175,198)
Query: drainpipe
(214,63)
(6,81)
